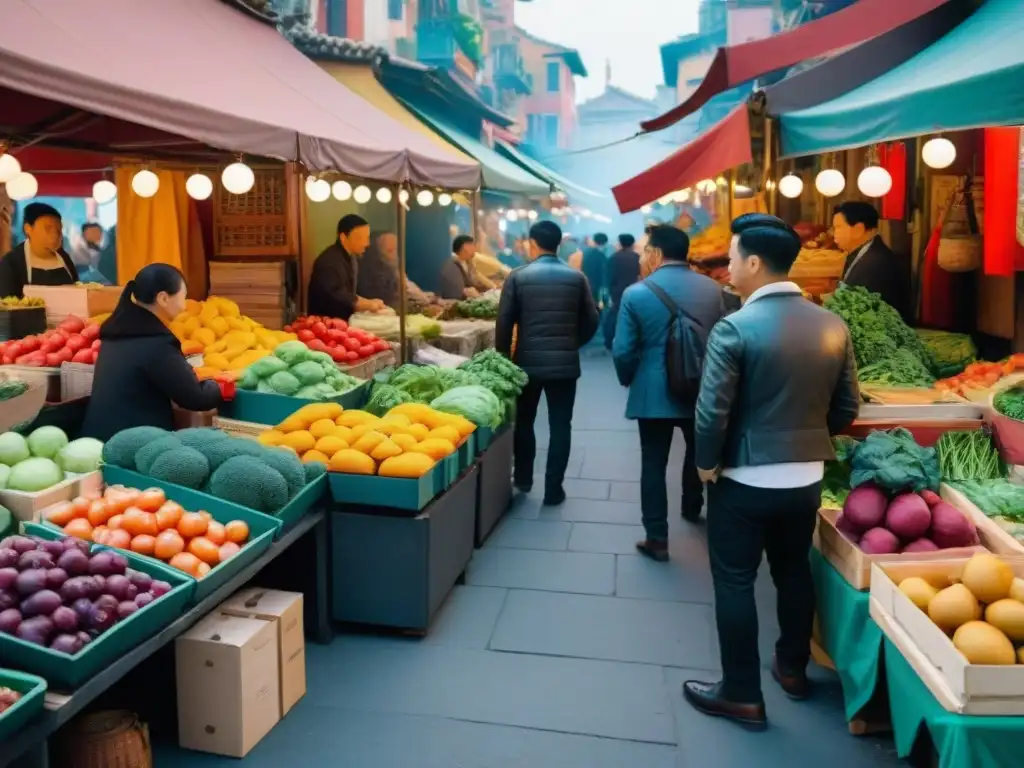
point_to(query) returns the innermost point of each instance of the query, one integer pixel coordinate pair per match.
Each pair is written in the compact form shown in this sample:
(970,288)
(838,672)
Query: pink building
(550,108)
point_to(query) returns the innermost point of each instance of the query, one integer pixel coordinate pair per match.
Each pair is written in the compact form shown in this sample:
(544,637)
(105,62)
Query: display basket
(110,739)
(405,493)
(19,322)
(33,693)
(47,378)
(23,409)
(270,409)
(76,380)
(78,300)
(365,369)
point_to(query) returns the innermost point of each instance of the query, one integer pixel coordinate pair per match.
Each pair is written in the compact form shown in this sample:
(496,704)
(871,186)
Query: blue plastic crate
(395,492)
(270,409)
(33,694)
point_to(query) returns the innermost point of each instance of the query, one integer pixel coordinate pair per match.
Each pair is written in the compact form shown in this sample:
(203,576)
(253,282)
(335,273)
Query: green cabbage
(292,352)
(46,442)
(36,474)
(13,448)
(81,455)
(474,402)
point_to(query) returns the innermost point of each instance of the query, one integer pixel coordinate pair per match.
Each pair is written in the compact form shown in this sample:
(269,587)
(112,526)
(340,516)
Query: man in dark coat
(869,262)
(594,261)
(550,306)
(332,285)
(459,277)
(622,270)
(378,271)
(779,380)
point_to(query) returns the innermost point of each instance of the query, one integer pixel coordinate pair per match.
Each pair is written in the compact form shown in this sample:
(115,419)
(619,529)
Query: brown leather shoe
(796,686)
(655,550)
(707,698)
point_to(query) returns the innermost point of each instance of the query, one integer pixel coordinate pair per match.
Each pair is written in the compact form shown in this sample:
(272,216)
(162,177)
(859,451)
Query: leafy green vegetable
(482,308)
(997,497)
(968,455)
(895,462)
(1010,403)
(385,397)
(835,486)
(492,361)
(903,369)
(948,353)
(476,403)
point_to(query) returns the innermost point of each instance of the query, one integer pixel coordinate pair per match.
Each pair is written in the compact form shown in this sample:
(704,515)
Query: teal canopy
(499,173)
(537,168)
(972,77)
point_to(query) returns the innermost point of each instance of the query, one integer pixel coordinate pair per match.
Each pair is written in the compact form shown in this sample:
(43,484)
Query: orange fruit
(167,544)
(215,532)
(100,534)
(132,521)
(237,532)
(205,515)
(151,499)
(186,562)
(61,514)
(115,522)
(144,544)
(80,528)
(192,524)
(203,569)
(80,506)
(99,513)
(119,538)
(205,550)
(168,515)
(228,550)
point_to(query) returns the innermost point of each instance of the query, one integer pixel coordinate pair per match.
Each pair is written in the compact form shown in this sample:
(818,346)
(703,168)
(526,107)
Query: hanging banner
(1020,189)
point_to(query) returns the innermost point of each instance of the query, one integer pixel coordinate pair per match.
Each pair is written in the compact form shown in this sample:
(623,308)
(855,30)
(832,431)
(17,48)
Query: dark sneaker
(655,550)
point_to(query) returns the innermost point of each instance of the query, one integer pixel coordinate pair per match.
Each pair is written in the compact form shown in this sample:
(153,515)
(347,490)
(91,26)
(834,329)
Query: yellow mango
(368,442)
(463,425)
(345,433)
(390,426)
(354,418)
(216,360)
(236,324)
(385,450)
(226,307)
(315,455)
(300,440)
(293,423)
(218,325)
(361,429)
(405,442)
(190,325)
(217,346)
(245,359)
(435,448)
(330,445)
(419,431)
(271,437)
(192,307)
(204,336)
(208,312)
(316,411)
(322,428)
(447,432)
(205,372)
(352,462)
(412,411)
(409,465)
(177,328)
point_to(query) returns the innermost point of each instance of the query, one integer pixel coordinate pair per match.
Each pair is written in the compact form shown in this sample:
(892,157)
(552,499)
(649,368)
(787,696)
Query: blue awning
(968,79)
(499,173)
(537,168)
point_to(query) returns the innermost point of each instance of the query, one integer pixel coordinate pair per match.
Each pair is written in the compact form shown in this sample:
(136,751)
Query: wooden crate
(258,287)
(854,564)
(263,221)
(973,689)
(992,536)
(64,300)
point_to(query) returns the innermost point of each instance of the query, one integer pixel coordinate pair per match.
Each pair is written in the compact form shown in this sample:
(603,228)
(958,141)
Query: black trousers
(743,523)
(561,398)
(611,317)
(655,444)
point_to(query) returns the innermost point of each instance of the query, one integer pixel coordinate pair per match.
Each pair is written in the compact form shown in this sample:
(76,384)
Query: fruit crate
(71,671)
(404,493)
(76,380)
(365,369)
(78,300)
(33,694)
(27,507)
(23,409)
(19,322)
(269,409)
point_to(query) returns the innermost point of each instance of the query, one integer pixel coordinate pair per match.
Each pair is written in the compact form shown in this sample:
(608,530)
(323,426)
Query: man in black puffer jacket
(550,306)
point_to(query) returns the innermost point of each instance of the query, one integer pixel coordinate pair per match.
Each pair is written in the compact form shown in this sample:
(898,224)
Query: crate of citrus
(401,460)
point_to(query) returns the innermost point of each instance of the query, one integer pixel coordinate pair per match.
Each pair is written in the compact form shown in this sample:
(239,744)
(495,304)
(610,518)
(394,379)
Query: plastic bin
(394,492)
(265,408)
(33,694)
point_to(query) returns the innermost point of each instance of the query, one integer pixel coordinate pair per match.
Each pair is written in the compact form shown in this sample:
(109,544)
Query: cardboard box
(972,689)
(228,684)
(284,609)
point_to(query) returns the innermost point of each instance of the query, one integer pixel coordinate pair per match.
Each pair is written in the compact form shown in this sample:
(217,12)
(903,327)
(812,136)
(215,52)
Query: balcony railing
(509,71)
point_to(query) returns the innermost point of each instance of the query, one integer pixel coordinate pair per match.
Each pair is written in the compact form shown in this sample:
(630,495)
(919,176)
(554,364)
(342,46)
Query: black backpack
(684,349)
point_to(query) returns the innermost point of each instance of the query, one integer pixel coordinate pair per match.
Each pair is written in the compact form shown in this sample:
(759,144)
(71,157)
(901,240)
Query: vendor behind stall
(141,371)
(869,262)
(41,259)
(378,274)
(459,276)
(333,284)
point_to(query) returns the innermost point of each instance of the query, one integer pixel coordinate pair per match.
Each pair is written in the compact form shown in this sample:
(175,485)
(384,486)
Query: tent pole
(400,232)
(766,171)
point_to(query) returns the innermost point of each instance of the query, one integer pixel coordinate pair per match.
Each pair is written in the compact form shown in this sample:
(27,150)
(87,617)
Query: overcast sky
(629,34)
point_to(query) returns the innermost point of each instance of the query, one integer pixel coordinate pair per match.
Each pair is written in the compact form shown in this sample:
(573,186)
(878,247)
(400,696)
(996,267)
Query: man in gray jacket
(551,306)
(779,380)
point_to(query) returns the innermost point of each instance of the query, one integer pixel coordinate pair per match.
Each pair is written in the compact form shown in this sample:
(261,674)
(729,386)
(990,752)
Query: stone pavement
(564,649)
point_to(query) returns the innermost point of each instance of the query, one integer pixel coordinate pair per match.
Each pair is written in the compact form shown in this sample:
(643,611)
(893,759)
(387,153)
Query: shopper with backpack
(662,327)
(779,380)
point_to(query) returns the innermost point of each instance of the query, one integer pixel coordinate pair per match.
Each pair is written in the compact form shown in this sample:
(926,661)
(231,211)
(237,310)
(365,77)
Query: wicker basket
(960,245)
(112,739)
(24,408)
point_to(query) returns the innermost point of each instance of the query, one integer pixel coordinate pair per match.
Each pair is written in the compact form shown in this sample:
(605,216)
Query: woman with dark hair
(141,372)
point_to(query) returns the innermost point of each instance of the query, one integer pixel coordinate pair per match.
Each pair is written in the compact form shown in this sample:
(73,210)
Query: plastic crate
(33,694)
(265,408)
(19,322)
(61,669)
(391,492)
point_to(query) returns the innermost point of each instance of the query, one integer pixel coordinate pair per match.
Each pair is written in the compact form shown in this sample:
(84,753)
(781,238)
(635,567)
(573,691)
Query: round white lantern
(198,186)
(874,181)
(9,167)
(318,190)
(383,195)
(362,194)
(103,191)
(532,215)
(444,199)
(645,209)
(830,182)
(424,197)
(22,187)
(512,215)
(145,183)
(791,186)
(238,178)
(938,153)
(341,190)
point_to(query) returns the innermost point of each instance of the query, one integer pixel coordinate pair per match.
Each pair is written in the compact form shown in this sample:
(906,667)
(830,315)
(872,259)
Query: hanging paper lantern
(362,194)
(238,178)
(103,191)
(22,187)
(317,190)
(145,183)
(444,199)
(830,182)
(532,215)
(199,186)
(9,167)
(938,153)
(874,181)
(791,186)
(425,197)
(383,195)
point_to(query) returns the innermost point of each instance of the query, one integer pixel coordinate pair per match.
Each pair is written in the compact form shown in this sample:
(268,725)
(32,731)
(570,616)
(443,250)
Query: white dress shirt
(790,474)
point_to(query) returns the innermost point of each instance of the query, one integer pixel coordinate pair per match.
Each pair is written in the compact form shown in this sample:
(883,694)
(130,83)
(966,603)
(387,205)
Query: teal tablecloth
(848,635)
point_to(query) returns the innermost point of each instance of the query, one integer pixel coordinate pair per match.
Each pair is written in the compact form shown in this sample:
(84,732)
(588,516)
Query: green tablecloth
(961,741)
(848,635)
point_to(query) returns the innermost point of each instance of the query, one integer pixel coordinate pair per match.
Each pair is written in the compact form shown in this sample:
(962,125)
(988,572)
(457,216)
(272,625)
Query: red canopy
(734,65)
(725,145)
(64,173)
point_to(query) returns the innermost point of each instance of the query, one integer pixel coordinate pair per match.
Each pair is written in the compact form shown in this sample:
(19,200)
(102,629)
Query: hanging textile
(938,299)
(1002,253)
(893,158)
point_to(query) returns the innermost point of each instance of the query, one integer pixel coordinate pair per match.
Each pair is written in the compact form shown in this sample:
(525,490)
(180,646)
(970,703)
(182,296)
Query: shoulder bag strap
(673,308)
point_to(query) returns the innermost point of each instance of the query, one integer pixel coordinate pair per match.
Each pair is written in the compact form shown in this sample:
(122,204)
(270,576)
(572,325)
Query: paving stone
(611,464)
(581,696)
(596,490)
(686,577)
(579,572)
(467,618)
(572,469)
(613,628)
(517,533)
(600,537)
(582,511)
(625,491)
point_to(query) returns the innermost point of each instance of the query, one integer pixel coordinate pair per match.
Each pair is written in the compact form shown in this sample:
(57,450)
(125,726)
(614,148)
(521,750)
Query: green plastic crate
(192,499)
(33,694)
(62,670)
(467,451)
(394,492)
(266,408)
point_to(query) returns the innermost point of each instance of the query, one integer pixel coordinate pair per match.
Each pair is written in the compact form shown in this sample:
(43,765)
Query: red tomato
(52,360)
(336,335)
(319,329)
(306,335)
(338,354)
(339,324)
(83,356)
(14,349)
(30,344)
(96,345)
(65,354)
(366,350)
(76,342)
(352,343)
(6,360)
(288,329)
(316,345)
(351,357)
(72,324)
(91,332)
(381,346)
(53,344)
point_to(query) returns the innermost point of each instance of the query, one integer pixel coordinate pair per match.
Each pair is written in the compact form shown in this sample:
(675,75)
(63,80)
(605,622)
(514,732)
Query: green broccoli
(288,464)
(120,450)
(314,470)
(181,466)
(250,482)
(148,453)
(218,452)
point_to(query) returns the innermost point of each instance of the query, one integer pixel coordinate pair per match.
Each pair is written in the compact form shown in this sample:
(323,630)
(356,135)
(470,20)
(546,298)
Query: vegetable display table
(495,485)
(28,747)
(391,569)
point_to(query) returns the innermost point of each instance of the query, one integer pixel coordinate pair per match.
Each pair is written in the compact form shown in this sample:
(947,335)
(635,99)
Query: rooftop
(570,56)
(321,47)
(685,47)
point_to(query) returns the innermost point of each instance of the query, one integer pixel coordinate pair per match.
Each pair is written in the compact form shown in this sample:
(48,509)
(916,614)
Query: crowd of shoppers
(777,379)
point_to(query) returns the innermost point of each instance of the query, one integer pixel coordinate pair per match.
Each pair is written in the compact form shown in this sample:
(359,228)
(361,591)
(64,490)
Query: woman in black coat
(141,371)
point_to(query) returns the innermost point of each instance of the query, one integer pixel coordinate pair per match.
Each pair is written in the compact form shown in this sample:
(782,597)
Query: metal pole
(732,193)
(400,233)
(766,171)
